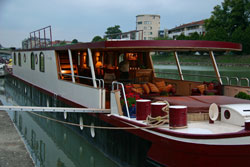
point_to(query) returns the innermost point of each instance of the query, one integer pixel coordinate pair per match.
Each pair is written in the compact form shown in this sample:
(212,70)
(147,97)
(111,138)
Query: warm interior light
(84,65)
(98,64)
(97,54)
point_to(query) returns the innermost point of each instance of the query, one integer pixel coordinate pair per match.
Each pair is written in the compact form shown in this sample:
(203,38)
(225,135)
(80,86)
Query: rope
(96,127)
(154,121)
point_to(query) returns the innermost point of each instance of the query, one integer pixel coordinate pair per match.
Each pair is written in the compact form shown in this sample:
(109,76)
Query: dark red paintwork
(177,116)
(175,45)
(143,109)
(156,109)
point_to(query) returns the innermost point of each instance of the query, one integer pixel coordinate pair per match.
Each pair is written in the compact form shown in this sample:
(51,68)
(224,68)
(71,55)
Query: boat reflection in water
(50,143)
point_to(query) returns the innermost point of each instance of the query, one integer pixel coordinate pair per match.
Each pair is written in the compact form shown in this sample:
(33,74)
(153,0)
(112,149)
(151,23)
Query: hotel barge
(87,75)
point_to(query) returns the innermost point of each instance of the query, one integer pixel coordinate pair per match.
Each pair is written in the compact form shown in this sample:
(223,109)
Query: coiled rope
(159,120)
(97,127)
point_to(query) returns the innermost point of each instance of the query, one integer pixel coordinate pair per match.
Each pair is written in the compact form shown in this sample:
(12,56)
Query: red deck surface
(197,104)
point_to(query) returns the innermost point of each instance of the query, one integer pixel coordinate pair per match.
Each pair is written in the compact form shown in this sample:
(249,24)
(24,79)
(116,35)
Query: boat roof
(153,45)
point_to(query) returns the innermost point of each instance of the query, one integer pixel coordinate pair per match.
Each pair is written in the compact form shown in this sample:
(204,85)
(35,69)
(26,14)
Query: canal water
(50,144)
(204,73)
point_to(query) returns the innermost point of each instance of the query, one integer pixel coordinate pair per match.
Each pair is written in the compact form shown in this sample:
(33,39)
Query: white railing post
(178,66)
(92,67)
(211,53)
(71,66)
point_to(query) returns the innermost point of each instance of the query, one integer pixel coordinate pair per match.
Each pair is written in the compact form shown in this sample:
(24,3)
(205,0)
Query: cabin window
(36,59)
(32,61)
(24,58)
(14,58)
(41,61)
(19,59)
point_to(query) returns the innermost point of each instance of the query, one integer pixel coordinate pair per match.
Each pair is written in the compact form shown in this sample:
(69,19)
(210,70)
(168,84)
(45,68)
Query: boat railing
(100,81)
(234,78)
(207,76)
(116,85)
(244,79)
(225,78)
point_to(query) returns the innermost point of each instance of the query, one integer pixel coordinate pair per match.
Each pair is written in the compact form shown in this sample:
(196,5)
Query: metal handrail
(124,94)
(237,80)
(246,79)
(100,81)
(211,76)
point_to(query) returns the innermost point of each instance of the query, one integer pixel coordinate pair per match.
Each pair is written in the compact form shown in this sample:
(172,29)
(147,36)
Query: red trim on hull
(174,153)
(170,152)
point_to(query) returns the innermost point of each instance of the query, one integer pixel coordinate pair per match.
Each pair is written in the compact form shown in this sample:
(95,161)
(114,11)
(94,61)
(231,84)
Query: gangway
(55,109)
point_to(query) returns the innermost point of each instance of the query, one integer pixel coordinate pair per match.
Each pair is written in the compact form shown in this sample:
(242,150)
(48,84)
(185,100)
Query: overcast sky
(84,19)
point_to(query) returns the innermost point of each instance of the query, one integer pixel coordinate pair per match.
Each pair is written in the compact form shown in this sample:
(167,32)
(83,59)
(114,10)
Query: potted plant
(131,102)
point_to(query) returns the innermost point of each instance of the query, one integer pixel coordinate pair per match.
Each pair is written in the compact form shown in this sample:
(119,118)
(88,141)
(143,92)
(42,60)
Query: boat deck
(200,104)
(201,127)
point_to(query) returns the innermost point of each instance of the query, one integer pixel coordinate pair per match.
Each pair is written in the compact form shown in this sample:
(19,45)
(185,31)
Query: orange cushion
(146,88)
(168,88)
(161,85)
(137,90)
(136,85)
(153,88)
(201,88)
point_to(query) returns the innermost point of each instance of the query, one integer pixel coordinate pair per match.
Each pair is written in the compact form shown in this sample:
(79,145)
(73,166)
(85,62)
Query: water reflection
(50,144)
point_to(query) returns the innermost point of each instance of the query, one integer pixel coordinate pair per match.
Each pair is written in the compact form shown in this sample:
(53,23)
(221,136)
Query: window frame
(32,61)
(41,60)
(19,59)
(24,58)
(15,58)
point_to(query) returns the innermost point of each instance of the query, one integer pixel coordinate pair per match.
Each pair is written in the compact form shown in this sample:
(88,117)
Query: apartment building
(187,29)
(149,24)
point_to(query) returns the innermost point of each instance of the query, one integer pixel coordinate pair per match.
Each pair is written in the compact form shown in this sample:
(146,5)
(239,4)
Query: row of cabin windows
(33,60)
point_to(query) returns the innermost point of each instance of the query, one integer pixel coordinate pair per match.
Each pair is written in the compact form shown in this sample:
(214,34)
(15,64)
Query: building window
(32,61)
(19,59)
(41,62)
(14,58)
(150,33)
(147,22)
(139,22)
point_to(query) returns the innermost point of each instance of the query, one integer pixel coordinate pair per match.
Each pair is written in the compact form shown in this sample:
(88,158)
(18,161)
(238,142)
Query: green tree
(230,22)
(217,34)
(97,38)
(74,41)
(113,32)
(181,37)
(195,36)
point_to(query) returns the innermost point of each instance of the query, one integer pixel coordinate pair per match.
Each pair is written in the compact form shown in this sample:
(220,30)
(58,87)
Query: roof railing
(38,38)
